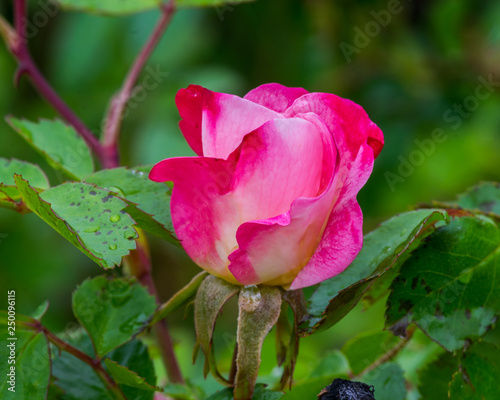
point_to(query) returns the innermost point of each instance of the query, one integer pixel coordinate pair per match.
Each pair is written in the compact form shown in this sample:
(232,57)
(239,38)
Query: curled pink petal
(275,96)
(214,124)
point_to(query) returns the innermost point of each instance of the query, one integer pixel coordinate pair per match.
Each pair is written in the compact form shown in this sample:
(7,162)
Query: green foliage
(366,348)
(132,356)
(112,311)
(148,201)
(388,381)
(435,378)
(59,144)
(484,197)
(382,250)
(124,376)
(478,375)
(9,194)
(450,286)
(25,355)
(90,218)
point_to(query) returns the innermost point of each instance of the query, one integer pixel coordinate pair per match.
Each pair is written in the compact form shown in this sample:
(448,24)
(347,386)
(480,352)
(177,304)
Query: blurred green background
(415,66)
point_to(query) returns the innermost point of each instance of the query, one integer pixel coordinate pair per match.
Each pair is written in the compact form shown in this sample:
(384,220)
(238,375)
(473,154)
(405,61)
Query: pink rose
(271,197)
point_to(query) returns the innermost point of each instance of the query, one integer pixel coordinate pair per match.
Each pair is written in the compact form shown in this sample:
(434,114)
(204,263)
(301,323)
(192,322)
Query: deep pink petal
(214,124)
(201,212)
(343,236)
(275,96)
(274,250)
(347,121)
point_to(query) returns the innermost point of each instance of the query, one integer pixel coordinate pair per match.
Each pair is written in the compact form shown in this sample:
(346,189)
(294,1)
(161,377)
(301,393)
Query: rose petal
(200,210)
(211,201)
(214,124)
(274,250)
(343,237)
(280,161)
(341,116)
(275,96)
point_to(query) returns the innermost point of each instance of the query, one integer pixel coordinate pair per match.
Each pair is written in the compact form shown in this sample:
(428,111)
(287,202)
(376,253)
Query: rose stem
(108,156)
(18,45)
(119,101)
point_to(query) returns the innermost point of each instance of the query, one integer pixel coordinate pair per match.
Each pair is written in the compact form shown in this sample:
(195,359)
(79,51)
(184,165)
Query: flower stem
(120,100)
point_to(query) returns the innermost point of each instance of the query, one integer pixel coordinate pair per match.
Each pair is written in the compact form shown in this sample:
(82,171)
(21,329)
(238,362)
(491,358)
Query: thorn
(21,70)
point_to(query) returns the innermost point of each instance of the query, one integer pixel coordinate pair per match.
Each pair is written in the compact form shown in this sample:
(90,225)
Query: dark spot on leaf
(122,211)
(78,204)
(107,211)
(467,313)
(92,192)
(97,233)
(72,204)
(110,232)
(91,219)
(414,283)
(107,198)
(105,242)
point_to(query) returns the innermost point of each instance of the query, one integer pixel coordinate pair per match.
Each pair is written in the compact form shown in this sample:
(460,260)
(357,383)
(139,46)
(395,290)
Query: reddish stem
(120,100)
(19,48)
(94,363)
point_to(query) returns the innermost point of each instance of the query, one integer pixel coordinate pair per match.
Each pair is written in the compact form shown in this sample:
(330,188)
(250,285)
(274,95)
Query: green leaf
(118,7)
(112,311)
(58,143)
(78,380)
(30,172)
(484,197)
(9,194)
(366,348)
(127,377)
(180,298)
(450,287)
(383,248)
(332,364)
(478,376)
(179,391)
(435,378)
(89,217)
(260,393)
(25,354)
(40,311)
(388,381)
(135,357)
(148,201)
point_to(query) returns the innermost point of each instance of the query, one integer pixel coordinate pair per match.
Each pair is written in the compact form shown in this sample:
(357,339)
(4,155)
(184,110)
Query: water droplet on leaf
(114,218)
(92,229)
(112,246)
